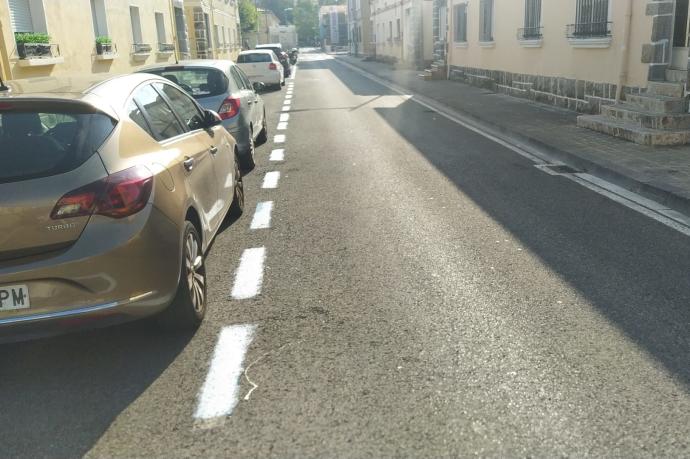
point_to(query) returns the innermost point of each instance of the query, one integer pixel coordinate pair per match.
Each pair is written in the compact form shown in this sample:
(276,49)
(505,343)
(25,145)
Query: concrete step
(512,91)
(659,104)
(633,132)
(676,75)
(633,114)
(666,88)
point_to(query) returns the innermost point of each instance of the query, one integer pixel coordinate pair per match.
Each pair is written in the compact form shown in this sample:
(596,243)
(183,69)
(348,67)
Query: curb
(660,193)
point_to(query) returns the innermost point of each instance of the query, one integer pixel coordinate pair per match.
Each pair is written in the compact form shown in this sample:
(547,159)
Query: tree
(306,16)
(248,16)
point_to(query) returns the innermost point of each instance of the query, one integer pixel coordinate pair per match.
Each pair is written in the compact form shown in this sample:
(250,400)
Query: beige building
(359,18)
(141,32)
(624,62)
(402,31)
(213,28)
(267,27)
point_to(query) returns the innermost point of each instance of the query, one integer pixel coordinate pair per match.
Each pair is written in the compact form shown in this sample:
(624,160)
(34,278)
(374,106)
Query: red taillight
(229,108)
(119,195)
(272,66)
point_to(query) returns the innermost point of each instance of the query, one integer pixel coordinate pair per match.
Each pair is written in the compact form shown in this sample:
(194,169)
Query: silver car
(221,86)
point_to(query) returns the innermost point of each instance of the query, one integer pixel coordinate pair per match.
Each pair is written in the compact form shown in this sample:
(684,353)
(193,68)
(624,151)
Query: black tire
(188,308)
(263,135)
(237,207)
(247,162)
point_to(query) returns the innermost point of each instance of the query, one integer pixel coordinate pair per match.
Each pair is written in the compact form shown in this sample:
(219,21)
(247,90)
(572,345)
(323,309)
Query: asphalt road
(426,293)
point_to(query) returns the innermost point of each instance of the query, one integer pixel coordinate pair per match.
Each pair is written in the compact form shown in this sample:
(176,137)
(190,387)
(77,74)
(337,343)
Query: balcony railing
(166,48)
(141,48)
(530,33)
(589,30)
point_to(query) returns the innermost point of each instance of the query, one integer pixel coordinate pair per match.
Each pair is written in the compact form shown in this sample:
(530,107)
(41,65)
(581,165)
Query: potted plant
(30,44)
(104,45)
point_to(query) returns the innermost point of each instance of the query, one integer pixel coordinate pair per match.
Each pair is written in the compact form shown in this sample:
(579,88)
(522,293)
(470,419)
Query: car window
(185,107)
(253,57)
(159,115)
(245,80)
(137,116)
(237,77)
(198,82)
(45,139)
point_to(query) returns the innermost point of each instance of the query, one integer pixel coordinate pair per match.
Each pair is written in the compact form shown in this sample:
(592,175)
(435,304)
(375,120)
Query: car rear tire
(188,308)
(237,207)
(263,135)
(247,159)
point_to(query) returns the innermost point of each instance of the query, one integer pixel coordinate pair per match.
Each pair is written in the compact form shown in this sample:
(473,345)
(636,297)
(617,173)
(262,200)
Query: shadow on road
(59,395)
(631,268)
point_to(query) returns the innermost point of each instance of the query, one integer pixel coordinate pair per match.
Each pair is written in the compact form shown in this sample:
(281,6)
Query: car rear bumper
(106,276)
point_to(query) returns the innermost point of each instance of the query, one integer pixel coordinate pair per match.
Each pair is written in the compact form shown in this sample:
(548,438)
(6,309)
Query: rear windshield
(277,51)
(198,82)
(254,57)
(40,140)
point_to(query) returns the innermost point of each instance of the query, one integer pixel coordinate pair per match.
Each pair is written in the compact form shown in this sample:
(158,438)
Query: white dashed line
(262,215)
(282,126)
(250,274)
(289,92)
(279,138)
(271,179)
(287,102)
(284,117)
(286,108)
(288,96)
(277,155)
(219,394)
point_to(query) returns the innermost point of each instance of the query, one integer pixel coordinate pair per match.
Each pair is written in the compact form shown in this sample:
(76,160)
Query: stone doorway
(681,36)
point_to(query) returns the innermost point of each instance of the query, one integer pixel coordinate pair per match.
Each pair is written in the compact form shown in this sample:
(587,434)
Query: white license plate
(13,297)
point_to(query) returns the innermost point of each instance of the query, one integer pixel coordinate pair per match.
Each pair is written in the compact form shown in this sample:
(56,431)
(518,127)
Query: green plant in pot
(32,44)
(104,45)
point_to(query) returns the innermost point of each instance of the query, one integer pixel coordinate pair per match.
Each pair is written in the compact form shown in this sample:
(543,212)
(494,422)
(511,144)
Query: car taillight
(272,66)
(119,195)
(229,108)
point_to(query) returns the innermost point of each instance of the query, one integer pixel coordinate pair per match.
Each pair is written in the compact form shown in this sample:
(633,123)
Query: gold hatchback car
(110,194)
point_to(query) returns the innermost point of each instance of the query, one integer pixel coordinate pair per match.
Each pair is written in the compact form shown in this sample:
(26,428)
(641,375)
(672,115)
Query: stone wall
(658,53)
(577,95)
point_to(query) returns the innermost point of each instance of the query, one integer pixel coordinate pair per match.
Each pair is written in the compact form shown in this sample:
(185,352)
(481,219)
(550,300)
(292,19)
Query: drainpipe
(173,22)
(625,51)
(5,72)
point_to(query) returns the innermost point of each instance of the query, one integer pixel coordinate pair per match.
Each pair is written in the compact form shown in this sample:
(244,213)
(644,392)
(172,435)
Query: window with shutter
(486,20)
(592,18)
(20,16)
(532,28)
(460,25)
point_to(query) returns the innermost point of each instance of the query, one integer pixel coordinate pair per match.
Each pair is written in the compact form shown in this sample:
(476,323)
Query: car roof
(269,45)
(104,94)
(219,64)
(258,51)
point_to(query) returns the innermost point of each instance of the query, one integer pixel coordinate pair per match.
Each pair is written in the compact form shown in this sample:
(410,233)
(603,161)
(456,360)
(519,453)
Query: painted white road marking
(271,179)
(250,274)
(279,138)
(288,96)
(284,117)
(262,215)
(282,126)
(286,108)
(277,155)
(287,102)
(219,394)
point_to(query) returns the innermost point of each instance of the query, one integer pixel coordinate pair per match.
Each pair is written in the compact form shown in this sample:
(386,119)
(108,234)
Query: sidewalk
(658,173)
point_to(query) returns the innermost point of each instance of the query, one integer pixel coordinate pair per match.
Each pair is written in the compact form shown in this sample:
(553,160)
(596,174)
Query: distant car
(110,194)
(262,66)
(221,86)
(282,56)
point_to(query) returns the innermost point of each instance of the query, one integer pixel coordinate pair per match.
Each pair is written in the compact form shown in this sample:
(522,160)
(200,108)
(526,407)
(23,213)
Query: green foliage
(31,37)
(306,21)
(248,16)
(104,40)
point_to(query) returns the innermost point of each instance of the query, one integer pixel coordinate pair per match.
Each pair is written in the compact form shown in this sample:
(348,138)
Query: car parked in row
(221,86)
(110,194)
(283,57)
(262,66)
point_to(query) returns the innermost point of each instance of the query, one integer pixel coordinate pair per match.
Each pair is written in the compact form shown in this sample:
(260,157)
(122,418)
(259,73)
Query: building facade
(403,31)
(267,26)
(333,26)
(359,28)
(131,34)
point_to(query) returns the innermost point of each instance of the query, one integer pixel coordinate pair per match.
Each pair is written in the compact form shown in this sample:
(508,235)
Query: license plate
(13,297)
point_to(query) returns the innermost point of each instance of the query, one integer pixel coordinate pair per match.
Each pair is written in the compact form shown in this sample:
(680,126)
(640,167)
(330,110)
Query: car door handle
(214,150)
(188,163)
(250,102)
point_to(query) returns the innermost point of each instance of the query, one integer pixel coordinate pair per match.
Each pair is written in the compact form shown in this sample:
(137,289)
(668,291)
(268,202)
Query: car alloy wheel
(196,273)
(237,206)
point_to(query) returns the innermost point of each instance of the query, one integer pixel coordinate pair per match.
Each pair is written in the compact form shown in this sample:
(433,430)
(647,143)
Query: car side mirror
(258,86)
(211,119)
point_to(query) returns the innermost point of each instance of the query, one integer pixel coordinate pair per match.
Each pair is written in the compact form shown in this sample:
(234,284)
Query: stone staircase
(437,71)
(658,117)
